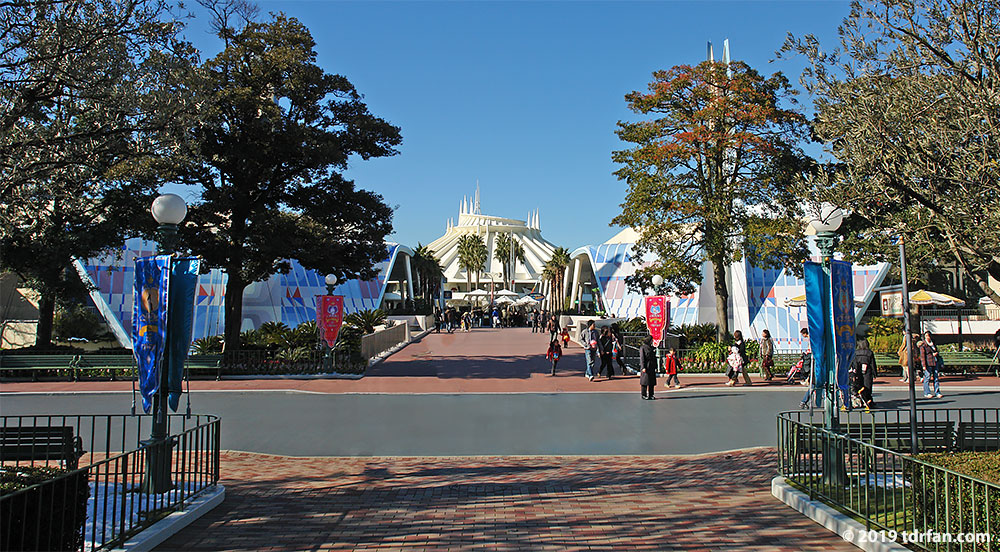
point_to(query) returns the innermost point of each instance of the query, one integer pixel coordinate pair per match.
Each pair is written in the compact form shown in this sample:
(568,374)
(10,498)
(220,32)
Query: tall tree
(709,175)
(507,251)
(276,135)
(909,104)
(428,270)
(555,272)
(93,97)
(472,256)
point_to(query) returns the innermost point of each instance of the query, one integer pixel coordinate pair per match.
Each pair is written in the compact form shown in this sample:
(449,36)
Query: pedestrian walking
(742,346)
(590,343)
(564,334)
(671,366)
(647,368)
(766,355)
(552,327)
(904,357)
(533,320)
(866,370)
(553,354)
(437,319)
(932,364)
(607,345)
(735,361)
(619,348)
(807,365)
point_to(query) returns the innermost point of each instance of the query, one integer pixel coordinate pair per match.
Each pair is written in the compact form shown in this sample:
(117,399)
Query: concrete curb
(847,527)
(173,523)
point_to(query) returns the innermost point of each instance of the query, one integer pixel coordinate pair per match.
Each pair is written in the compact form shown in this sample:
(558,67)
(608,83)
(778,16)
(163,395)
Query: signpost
(892,303)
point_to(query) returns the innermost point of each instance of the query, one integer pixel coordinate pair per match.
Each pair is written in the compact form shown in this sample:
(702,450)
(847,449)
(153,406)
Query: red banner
(657,316)
(329,316)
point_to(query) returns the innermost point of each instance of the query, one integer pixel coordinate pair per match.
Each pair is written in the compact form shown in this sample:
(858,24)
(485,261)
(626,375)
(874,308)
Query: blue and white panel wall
(757,296)
(286,298)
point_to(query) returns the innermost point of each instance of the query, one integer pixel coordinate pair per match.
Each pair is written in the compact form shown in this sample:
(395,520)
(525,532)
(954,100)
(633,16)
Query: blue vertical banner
(183,281)
(842,283)
(818,314)
(149,322)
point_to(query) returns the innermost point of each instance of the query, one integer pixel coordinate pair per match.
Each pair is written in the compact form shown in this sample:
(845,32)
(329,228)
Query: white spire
(538,225)
(725,57)
(711,54)
(475,207)
(464,205)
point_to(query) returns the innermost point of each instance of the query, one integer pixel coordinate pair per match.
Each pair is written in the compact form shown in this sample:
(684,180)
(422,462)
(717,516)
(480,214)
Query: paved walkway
(482,361)
(710,502)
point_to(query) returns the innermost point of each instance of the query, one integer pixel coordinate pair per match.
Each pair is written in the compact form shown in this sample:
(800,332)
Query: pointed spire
(538,225)
(711,54)
(475,207)
(463,206)
(725,57)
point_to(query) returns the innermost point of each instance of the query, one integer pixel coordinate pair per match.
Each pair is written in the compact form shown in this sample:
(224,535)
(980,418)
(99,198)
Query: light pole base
(157,476)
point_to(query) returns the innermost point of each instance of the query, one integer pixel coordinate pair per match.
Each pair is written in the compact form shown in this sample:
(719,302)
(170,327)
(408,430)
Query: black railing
(104,502)
(900,497)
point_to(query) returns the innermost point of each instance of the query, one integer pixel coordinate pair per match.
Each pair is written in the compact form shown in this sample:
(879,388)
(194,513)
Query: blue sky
(523,96)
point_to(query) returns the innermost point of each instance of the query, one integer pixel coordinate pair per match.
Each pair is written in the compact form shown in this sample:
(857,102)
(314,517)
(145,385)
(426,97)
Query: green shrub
(634,325)
(78,321)
(365,320)
(207,345)
(885,343)
(711,351)
(881,326)
(62,503)
(952,501)
(693,335)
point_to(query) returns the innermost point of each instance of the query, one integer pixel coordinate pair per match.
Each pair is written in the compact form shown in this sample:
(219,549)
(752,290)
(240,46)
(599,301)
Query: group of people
(930,362)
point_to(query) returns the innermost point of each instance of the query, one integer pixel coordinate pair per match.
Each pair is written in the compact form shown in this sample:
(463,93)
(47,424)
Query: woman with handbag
(766,355)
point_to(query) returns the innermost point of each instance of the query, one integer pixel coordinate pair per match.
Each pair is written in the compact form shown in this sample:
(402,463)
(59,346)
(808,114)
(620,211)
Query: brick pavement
(709,502)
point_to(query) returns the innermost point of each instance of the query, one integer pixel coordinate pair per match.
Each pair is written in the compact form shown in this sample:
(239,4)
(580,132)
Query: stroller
(797,371)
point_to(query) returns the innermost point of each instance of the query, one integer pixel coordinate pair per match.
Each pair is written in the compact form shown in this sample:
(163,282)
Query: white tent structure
(471,220)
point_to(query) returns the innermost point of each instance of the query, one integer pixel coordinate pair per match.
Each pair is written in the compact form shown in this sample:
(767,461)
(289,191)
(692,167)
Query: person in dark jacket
(742,345)
(930,360)
(607,350)
(647,368)
(865,368)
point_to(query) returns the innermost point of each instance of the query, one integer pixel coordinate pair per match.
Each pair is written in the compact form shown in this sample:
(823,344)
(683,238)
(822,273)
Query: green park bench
(30,443)
(932,436)
(205,363)
(110,363)
(955,362)
(34,363)
(978,436)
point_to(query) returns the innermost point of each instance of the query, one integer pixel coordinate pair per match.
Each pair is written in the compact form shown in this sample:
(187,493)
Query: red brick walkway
(711,502)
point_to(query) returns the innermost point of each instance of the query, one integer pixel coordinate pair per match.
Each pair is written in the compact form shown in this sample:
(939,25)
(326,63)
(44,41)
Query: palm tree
(428,271)
(471,256)
(556,269)
(502,253)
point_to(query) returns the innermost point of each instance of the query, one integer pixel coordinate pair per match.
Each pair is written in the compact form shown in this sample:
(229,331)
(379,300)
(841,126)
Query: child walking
(672,365)
(735,365)
(553,354)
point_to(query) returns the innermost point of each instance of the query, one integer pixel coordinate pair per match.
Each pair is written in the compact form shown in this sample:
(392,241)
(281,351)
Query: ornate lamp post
(169,211)
(826,223)
(331,283)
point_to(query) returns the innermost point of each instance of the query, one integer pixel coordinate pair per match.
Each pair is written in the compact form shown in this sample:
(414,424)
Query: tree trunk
(234,310)
(46,313)
(721,298)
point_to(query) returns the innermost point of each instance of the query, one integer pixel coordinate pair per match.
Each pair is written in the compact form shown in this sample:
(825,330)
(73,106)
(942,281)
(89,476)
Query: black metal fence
(865,470)
(100,504)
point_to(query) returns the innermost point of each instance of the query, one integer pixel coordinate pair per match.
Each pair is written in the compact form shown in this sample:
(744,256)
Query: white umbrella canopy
(924,297)
(525,301)
(504,300)
(507,293)
(477,293)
